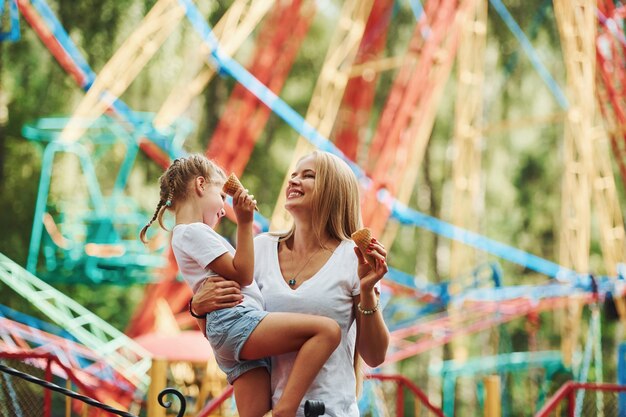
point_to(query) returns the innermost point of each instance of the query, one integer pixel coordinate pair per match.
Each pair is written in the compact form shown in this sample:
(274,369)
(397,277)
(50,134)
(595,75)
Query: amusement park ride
(95,241)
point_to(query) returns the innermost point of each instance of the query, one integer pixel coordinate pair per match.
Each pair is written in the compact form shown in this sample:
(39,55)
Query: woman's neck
(304,239)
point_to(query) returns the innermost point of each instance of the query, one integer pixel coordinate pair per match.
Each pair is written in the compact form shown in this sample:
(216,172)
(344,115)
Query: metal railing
(49,386)
(607,400)
(402,383)
(421,399)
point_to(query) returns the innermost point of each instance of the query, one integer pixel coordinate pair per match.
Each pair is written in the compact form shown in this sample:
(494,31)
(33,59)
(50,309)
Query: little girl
(242,337)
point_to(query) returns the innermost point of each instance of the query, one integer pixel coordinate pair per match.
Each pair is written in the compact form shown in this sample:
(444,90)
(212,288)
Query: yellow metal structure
(379,65)
(588,172)
(576,22)
(468,134)
(329,89)
(158,378)
(606,203)
(125,65)
(231,30)
(493,402)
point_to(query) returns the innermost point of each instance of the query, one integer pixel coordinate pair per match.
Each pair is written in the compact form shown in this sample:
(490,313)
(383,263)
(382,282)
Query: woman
(313,269)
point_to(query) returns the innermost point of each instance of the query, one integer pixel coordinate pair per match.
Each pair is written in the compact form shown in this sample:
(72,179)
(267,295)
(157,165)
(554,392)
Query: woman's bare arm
(372,333)
(214,294)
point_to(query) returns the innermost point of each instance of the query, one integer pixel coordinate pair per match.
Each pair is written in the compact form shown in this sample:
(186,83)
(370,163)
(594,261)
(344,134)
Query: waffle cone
(362,238)
(231,185)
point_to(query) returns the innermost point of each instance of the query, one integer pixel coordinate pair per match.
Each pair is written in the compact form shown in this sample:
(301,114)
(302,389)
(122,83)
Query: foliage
(521,162)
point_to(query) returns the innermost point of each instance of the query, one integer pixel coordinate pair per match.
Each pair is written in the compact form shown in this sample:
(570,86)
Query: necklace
(293,281)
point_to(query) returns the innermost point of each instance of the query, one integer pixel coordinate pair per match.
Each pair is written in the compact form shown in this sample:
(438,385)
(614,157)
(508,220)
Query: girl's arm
(372,333)
(239,268)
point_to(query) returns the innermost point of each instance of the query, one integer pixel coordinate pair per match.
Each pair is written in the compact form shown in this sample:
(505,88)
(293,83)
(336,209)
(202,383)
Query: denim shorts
(227,331)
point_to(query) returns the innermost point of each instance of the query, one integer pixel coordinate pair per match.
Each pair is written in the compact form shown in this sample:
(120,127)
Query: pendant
(291,282)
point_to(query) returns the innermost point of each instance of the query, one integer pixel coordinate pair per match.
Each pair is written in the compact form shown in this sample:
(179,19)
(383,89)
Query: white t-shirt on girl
(195,246)
(327,293)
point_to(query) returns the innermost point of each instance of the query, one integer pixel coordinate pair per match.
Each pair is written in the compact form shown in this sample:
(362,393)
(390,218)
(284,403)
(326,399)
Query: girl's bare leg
(253,393)
(314,338)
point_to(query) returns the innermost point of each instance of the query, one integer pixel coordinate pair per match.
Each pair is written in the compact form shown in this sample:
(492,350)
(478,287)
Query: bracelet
(369,312)
(198,316)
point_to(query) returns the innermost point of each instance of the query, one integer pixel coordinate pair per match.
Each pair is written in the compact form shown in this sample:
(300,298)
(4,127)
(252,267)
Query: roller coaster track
(440,329)
(117,349)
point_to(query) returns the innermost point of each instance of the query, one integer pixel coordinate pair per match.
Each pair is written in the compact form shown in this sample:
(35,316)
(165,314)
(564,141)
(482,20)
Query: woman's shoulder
(346,246)
(266,238)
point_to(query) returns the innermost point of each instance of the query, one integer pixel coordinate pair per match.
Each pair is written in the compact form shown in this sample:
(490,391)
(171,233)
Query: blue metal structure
(621,376)
(11,34)
(101,245)
(550,361)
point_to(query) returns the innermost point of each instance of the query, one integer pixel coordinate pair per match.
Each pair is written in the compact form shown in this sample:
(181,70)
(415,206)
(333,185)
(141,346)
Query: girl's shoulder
(193,229)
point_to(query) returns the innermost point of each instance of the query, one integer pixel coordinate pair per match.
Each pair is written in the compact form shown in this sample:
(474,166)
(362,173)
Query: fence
(26,390)
(423,406)
(576,399)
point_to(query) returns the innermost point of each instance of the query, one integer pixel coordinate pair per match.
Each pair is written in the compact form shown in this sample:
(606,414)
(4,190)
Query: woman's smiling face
(301,184)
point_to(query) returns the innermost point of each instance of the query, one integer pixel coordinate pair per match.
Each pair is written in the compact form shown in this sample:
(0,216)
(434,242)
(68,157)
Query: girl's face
(212,204)
(300,187)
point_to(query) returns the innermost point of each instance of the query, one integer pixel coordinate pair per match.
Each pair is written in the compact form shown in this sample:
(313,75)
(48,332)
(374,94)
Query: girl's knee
(332,331)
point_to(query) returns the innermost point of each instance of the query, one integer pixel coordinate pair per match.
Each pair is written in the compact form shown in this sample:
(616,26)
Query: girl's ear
(199,185)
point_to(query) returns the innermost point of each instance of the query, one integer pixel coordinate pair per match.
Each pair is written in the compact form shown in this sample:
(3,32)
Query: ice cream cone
(232,185)
(362,238)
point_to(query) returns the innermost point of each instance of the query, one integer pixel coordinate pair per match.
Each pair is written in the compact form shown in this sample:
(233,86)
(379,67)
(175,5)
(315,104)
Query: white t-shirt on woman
(327,293)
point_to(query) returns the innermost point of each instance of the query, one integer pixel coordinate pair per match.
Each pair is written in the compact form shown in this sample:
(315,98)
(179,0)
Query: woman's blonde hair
(175,184)
(336,204)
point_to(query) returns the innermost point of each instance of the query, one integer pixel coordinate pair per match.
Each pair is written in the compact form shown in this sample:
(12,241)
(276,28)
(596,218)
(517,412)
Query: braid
(144,230)
(170,196)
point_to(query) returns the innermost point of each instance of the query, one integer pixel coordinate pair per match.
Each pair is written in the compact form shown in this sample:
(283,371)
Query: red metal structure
(611,77)
(410,98)
(563,403)
(403,383)
(360,91)
(440,329)
(245,116)
(176,293)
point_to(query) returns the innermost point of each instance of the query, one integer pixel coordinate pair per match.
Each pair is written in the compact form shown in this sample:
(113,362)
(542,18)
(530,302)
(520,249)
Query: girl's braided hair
(175,184)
